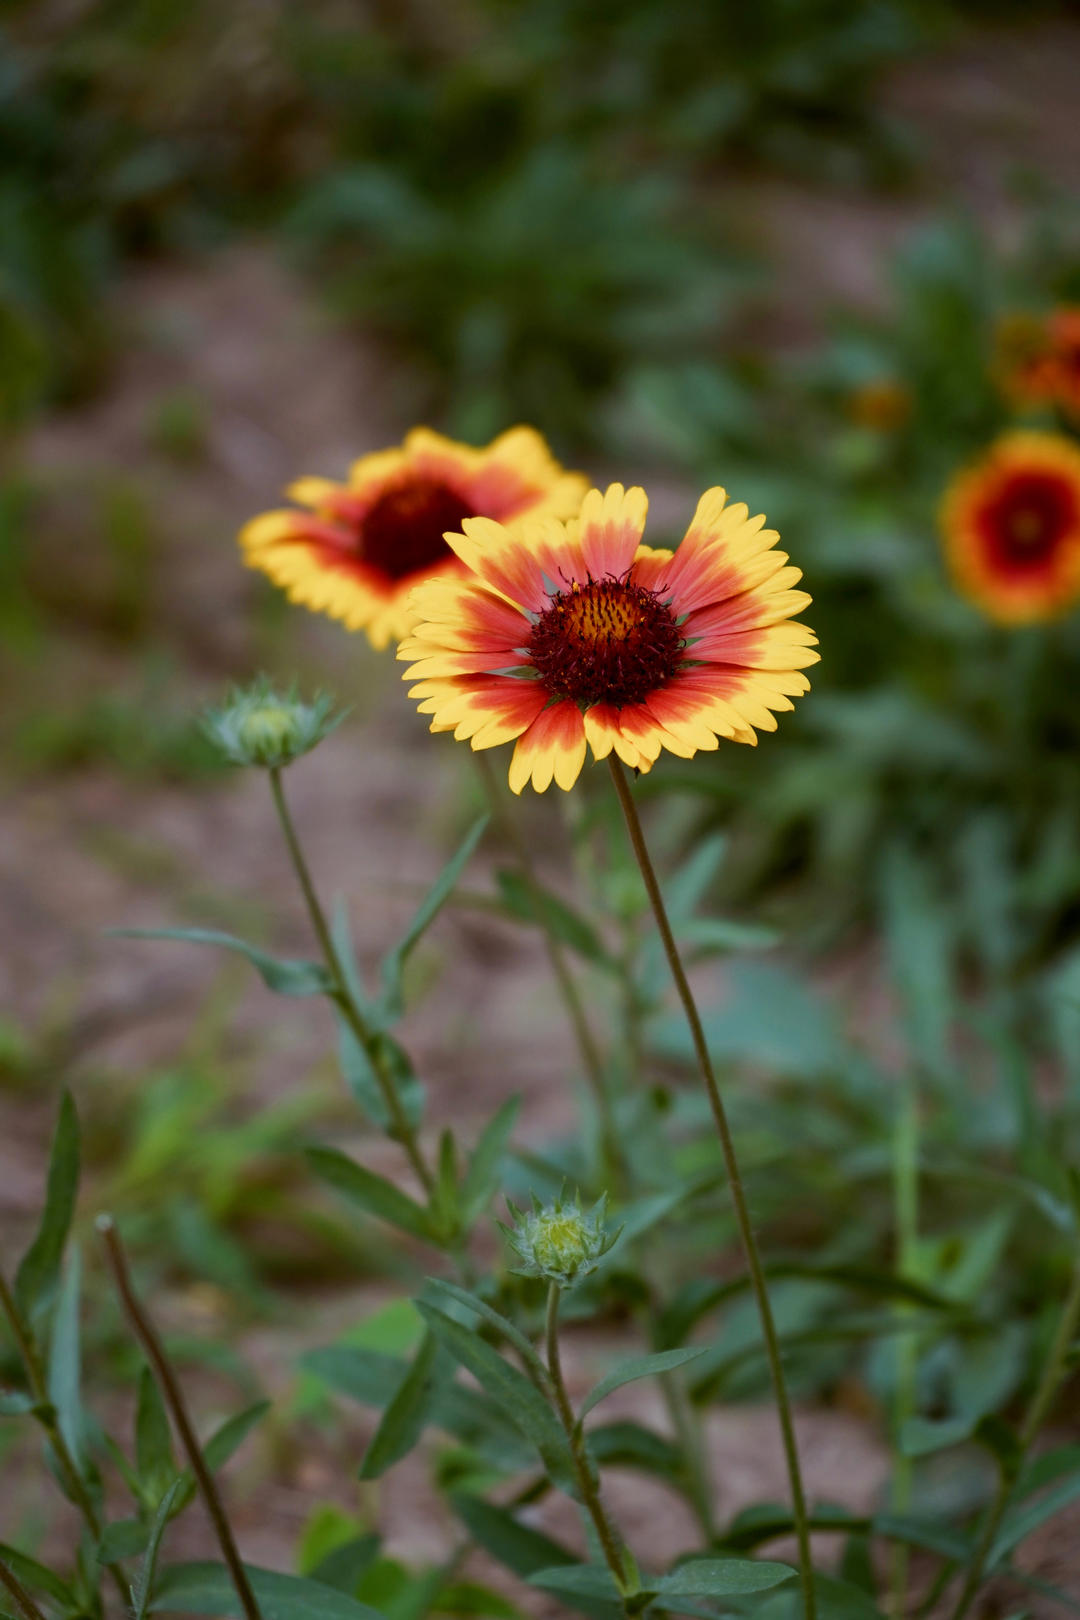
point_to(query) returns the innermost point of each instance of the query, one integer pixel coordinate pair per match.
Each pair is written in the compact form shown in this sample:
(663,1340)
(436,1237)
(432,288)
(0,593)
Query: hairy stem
(401,1128)
(1041,1402)
(607,1535)
(591,1057)
(146,1334)
(734,1175)
(45,1415)
(19,1595)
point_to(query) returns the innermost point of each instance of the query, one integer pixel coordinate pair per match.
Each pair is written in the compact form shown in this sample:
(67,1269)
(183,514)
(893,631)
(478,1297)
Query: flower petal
(553,749)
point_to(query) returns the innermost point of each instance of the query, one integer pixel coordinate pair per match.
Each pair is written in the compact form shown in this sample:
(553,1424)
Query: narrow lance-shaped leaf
(481,1177)
(286,976)
(404,1418)
(208,1589)
(522,1404)
(153,1440)
(371,1193)
(144,1581)
(224,1441)
(39,1270)
(512,1334)
(722,1577)
(65,1363)
(638,1367)
(394,962)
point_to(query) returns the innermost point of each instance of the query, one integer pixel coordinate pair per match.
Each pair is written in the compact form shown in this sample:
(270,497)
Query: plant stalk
(46,1417)
(608,1537)
(906,1205)
(147,1336)
(1041,1402)
(19,1595)
(591,1058)
(738,1195)
(401,1128)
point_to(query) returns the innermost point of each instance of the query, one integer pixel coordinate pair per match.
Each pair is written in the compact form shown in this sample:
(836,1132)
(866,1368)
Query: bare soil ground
(283,393)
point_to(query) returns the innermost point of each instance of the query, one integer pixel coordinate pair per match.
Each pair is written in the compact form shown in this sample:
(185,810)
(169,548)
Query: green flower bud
(561,1243)
(260,726)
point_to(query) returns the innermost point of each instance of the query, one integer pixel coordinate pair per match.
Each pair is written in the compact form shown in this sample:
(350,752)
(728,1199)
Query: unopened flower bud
(560,1242)
(260,726)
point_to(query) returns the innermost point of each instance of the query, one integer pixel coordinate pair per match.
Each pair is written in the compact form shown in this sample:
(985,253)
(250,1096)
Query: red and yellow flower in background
(571,634)
(1038,358)
(357,550)
(1011,525)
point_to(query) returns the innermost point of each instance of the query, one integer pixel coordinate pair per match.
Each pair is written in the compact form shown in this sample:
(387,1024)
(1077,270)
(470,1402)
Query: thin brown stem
(734,1176)
(401,1128)
(45,1415)
(591,1057)
(146,1334)
(1041,1402)
(608,1537)
(19,1595)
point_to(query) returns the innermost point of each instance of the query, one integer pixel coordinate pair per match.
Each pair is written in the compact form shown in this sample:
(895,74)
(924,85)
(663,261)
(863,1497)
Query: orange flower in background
(1039,358)
(573,634)
(1011,525)
(357,550)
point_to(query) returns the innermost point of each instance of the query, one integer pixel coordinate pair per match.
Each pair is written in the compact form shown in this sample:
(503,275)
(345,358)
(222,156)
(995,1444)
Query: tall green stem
(623,1573)
(146,1334)
(1041,1402)
(591,1058)
(906,1204)
(19,1595)
(401,1128)
(45,1414)
(731,1163)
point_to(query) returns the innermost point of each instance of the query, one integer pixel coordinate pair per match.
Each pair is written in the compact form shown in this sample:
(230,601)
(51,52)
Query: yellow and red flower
(357,550)
(575,634)
(1011,526)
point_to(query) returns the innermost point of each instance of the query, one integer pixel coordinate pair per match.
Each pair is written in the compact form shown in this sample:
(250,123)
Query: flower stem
(19,1595)
(906,1204)
(591,1057)
(45,1414)
(146,1334)
(738,1195)
(401,1128)
(625,1577)
(1041,1402)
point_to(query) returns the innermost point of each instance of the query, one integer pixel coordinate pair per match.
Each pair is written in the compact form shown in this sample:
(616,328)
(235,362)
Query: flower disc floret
(261,726)
(356,550)
(563,636)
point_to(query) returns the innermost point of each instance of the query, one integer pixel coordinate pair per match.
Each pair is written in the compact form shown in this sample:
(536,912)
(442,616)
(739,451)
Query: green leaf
(394,961)
(37,1577)
(153,1438)
(921,1437)
(722,1577)
(39,1270)
(225,1440)
(16,1403)
(1019,1523)
(522,1549)
(505,1328)
(371,1193)
(482,1176)
(362,1080)
(207,1589)
(288,978)
(580,1580)
(124,1538)
(343,1568)
(404,1419)
(512,1392)
(630,1445)
(65,1364)
(533,903)
(929,1534)
(144,1581)
(637,1367)
(470,1597)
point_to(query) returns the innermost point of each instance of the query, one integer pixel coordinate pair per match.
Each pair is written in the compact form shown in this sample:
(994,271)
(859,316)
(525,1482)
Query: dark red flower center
(401,533)
(605,641)
(1029,517)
